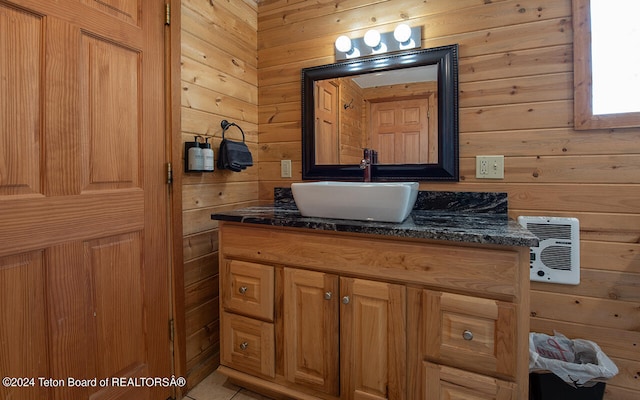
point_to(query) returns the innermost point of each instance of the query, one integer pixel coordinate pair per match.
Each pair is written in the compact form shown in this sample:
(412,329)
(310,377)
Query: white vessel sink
(369,201)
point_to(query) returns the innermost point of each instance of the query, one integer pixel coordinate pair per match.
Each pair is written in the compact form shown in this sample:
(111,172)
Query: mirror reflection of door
(326,122)
(404,131)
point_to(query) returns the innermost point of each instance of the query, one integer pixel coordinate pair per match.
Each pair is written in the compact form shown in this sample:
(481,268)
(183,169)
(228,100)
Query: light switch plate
(285,168)
(490,167)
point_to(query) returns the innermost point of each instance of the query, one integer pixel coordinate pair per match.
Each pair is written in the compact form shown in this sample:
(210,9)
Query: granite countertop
(452,216)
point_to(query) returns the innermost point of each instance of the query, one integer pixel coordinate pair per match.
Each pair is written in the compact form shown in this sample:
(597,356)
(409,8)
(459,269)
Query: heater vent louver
(557,257)
(547,231)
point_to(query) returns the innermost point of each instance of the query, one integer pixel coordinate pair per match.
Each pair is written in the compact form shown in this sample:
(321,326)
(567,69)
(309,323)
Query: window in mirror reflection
(395,113)
(615,40)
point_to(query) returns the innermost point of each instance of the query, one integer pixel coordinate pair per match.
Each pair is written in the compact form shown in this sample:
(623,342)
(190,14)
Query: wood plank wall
(516,99)
(219,81)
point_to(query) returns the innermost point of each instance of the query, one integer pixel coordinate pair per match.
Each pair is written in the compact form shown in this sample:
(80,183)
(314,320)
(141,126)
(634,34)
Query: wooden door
(84,282)
(311,329)
(403,131)
(326,123)
(373,340)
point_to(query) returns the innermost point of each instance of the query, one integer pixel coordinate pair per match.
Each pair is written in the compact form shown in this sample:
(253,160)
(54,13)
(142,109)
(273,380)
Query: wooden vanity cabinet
(323,315)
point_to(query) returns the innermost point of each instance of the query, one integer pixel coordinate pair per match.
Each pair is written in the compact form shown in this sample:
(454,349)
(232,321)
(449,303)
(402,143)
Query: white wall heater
(557,257)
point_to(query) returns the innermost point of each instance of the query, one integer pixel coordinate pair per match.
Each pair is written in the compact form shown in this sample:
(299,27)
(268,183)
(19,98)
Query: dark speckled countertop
(453,216)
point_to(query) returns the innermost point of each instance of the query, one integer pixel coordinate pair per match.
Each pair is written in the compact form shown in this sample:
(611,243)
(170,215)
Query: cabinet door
(373,340)
(441,382)
(311,312)
(471,333)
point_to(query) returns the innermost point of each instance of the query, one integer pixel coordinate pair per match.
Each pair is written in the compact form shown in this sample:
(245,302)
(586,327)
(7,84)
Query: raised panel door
(83,198)
(311,312)
(373,340)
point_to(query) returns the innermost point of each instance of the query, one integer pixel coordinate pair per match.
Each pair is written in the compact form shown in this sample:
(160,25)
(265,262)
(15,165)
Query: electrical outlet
(490,167)
(285,168)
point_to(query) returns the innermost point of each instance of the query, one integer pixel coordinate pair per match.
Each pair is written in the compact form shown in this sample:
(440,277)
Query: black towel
(234,156)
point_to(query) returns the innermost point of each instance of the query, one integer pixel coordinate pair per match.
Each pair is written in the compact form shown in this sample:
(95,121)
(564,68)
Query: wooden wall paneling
(198,73)
(606,313)
(213,101)
(215,194)
(599,169)
(218,81)
(214,32)
(555,141)
(206,53)
(516,99)
(623,257)
(612,285)
(280,132)
(523,89)
(447,20)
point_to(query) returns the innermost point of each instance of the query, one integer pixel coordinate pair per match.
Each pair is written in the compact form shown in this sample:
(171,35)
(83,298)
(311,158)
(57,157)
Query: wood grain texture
(488,272)
(390,322)
(514,57)
(311,329)
(218,80)
(84,208)
(516,97)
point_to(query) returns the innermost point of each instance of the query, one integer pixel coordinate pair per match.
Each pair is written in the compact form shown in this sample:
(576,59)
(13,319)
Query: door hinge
(167,14)
(169,174)
(171,330)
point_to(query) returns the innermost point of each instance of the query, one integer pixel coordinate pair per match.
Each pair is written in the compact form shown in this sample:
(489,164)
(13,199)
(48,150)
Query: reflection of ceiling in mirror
(408,75)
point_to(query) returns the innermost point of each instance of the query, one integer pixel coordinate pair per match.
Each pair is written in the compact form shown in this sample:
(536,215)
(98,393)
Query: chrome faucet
(370,157)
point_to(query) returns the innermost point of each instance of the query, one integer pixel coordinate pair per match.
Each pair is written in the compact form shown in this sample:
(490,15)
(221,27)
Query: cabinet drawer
(441,382)
(470,332)
(248,288)
(247,344)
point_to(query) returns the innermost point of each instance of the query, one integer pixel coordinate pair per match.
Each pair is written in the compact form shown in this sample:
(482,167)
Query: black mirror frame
(447,168)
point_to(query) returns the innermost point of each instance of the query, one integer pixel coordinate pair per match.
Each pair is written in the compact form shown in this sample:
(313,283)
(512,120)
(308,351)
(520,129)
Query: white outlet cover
(490,167)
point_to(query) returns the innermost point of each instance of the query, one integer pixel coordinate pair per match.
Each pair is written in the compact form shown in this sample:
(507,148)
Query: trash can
(566,369)
(550,387)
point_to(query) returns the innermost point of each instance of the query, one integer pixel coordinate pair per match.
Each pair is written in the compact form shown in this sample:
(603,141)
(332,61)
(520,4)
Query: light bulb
(402,33)
(343,44)
(372,38)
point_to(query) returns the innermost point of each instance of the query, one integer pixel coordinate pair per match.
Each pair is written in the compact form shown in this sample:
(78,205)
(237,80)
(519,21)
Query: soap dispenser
(207,155)
(194,155)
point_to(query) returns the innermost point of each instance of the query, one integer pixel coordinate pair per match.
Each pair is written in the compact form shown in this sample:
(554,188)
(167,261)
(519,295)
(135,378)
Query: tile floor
(216,387)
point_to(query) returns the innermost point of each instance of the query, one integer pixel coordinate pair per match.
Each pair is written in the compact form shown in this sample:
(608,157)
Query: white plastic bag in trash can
(578,362)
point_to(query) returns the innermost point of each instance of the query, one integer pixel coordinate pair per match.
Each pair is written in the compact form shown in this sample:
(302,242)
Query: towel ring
(226,124)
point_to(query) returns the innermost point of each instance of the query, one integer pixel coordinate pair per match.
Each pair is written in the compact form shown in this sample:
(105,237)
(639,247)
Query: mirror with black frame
(402,105)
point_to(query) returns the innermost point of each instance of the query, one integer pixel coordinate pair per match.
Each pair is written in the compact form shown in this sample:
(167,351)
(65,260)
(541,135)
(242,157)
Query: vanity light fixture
(372,39)
(403,37)
(402,34)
